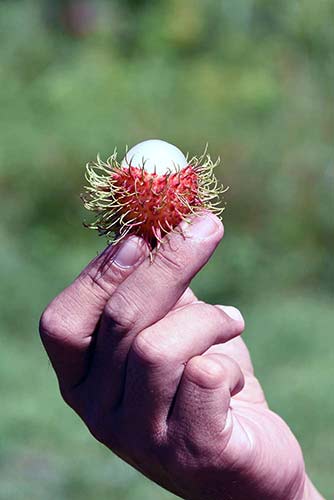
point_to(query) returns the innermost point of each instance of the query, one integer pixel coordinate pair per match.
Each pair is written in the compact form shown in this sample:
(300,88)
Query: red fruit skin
(155,203)
(129,200)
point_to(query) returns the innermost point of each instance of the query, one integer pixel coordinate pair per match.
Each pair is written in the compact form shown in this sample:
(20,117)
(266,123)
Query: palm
(249,447)
(274,455)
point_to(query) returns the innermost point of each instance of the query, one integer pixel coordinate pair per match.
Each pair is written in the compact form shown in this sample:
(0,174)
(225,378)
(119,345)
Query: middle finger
(158,356)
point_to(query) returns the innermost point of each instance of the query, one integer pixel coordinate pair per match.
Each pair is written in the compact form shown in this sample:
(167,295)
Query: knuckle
(147,351)
(56,325)
(121,312)
(205,372)
(210,312)
(216,318)
(48,323)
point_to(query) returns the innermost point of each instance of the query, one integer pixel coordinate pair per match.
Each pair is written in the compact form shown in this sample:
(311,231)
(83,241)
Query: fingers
(201,410)
(236,348)
(159,354)
(68,323)
(147,296)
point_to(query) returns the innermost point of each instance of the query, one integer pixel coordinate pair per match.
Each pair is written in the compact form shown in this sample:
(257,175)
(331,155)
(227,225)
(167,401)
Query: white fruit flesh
(156,156)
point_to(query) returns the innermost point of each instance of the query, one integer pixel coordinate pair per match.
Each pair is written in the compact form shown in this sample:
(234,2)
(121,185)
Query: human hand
(157,378)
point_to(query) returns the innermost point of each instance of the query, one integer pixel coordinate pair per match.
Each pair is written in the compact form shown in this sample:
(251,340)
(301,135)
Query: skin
(165,380)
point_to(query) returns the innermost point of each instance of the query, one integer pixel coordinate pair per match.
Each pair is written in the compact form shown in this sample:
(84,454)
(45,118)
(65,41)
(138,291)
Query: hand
(163,379)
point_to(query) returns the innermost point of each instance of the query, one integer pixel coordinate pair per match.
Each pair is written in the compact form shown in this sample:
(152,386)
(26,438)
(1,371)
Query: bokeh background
(252,78)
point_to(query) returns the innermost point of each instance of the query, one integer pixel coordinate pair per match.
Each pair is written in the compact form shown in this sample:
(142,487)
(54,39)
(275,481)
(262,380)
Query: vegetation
(251,78)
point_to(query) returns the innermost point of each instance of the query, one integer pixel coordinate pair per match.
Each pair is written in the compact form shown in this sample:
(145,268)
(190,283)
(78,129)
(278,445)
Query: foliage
(254,79)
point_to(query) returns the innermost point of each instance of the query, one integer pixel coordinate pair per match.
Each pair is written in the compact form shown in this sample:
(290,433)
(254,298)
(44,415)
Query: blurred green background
(252,78)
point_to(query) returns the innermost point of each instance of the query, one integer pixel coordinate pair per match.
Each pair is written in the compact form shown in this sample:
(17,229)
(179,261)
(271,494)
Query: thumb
(68,323)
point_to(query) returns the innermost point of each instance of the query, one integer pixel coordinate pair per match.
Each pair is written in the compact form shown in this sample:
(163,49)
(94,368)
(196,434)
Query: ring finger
(158,356)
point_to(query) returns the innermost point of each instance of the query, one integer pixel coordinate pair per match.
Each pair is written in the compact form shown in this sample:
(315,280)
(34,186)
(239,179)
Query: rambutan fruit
(150,192)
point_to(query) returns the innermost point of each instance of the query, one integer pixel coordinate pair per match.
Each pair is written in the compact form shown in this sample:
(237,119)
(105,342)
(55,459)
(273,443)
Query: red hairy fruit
(154,201)
(150,195)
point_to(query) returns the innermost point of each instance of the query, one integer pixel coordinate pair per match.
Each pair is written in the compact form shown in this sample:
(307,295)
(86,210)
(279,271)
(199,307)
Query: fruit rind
(110,201)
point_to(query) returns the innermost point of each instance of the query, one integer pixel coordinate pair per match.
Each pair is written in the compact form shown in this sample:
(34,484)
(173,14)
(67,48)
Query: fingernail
(131,250)
(233,313)
(201,226)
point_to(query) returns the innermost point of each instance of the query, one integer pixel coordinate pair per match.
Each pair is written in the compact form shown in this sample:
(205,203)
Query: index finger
(146,297)
(68,323)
